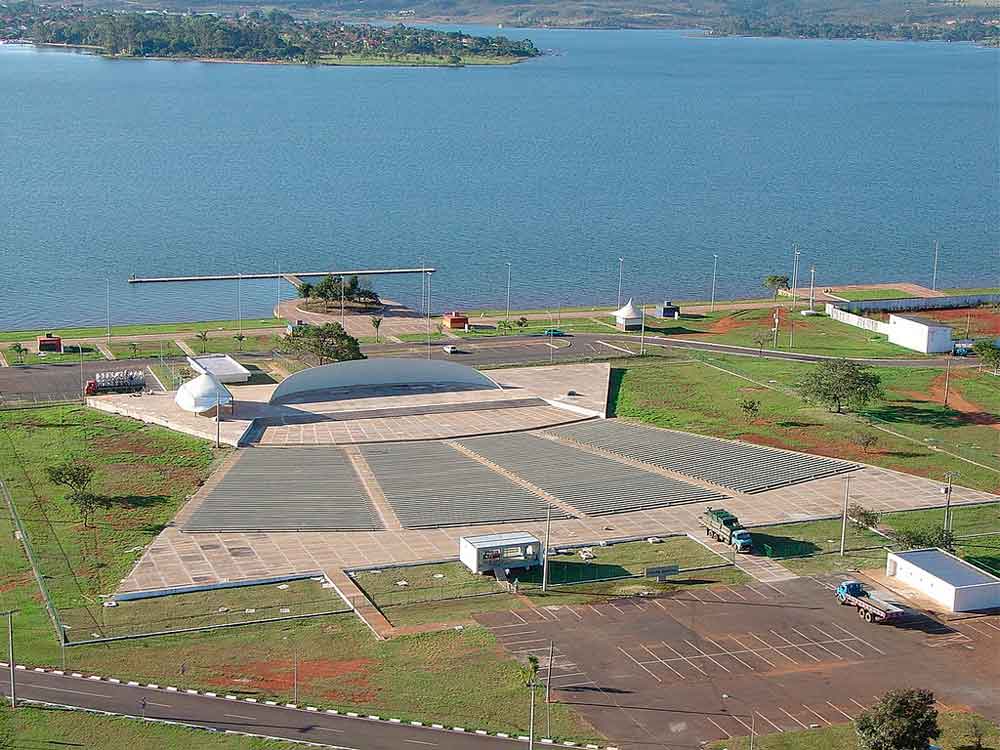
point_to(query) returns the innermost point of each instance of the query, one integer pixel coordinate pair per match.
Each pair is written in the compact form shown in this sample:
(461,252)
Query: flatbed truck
(870,608)
(726,528)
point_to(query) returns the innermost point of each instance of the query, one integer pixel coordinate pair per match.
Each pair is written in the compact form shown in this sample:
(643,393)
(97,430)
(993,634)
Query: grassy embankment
(148,471)
(144,329)
(71,355)
(229,345)
(955,726)
(449,593)
(36,727)
(860,295)
(919,432)
(146,349)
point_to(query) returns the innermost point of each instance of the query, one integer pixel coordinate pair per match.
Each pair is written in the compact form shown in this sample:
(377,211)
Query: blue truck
(870,607)
(726,528)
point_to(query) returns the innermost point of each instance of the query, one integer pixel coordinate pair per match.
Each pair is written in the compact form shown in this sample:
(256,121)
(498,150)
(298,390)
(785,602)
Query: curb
(275,704)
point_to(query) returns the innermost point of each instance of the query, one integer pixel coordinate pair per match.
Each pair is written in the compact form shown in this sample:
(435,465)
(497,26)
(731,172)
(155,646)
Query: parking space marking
(719,664)
(729,653)
(685,658)
(657,603)
(514,625)
(773,588)
(873,648)
(773,648)
(724,732)
(694,596)
(790,716)
(770,722)
(529,640)
(817,643)
(596,610)
(639,664)
(516,615)
(792,644)
(619,611)
(981,632)
(678,601)
(757,591)
(746,726)
(716,595)
(574,612)
(751,651)
(824,584)
(734,592)
(842,713)
(842,643)
(859,705)
(819,716)
(663,662)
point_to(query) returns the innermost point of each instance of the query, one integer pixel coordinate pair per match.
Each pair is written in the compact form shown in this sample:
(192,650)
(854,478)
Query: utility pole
(342,303)
(531,715)
(548,692)
(947,380)
(937,250)
(950,476)
(795,295)
(428,315)
(239,306)
(295,674)
(843,521)
(621,267)
(812,288)
(109,311)
(642,331)
(715,269)
(775,345)
(277,289)
(10,654)
(545,552)
(507,316)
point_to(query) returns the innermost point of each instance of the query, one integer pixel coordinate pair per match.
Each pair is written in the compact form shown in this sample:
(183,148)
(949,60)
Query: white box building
(919,334)
(950,581)
(489,552)
(222,367)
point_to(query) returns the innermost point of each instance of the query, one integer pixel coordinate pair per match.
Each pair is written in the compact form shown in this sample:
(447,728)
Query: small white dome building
(202,395)
(627,317)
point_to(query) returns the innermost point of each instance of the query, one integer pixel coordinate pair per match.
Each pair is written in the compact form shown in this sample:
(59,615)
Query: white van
(450,349)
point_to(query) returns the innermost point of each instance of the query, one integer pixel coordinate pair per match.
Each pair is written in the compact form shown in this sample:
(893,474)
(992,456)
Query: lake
(655,146)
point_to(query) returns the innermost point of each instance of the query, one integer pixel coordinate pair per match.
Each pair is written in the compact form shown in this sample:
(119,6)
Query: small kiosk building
(489,552)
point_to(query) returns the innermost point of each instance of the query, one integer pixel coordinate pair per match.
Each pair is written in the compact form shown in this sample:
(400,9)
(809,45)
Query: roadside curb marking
(271,704)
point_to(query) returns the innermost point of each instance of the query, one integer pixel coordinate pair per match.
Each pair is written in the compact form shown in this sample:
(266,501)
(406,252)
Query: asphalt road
(238,715)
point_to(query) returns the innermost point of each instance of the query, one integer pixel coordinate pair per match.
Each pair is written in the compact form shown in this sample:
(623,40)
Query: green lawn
(955,736)
(965,519)
(814,547)
(704,400)
(983,551)
(229,345)
(421,337)
(974,290)
(145,328)
(536,328)
(146,349)
(145,472)
(70,355)
(31,727)
(860,295)
(203,608)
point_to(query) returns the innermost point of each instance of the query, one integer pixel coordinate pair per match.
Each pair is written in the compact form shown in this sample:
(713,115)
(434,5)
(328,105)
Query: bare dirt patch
(981,321)
(972,413)
(351,676)
(133,443)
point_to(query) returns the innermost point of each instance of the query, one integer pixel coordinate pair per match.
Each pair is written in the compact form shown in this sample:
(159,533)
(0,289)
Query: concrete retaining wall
(912,304)
(869,324)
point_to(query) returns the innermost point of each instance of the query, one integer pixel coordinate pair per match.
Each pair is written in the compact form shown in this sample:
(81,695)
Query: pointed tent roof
(627,311)
(201,394)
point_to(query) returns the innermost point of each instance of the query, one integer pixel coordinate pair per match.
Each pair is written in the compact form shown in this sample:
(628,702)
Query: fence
(868,324)
(918,303)
(22,535)
(31,400)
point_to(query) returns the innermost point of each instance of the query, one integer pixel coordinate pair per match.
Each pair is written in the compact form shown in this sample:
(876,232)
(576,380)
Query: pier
(286,275)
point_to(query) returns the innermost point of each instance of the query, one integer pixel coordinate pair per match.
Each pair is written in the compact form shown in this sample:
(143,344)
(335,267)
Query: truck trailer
(726,528)
(870,607)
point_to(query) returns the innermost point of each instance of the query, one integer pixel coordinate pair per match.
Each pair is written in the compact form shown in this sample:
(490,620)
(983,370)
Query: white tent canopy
(202,394)
(628,312)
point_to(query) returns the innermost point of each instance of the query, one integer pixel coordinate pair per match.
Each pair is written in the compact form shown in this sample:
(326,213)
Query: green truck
(726,528)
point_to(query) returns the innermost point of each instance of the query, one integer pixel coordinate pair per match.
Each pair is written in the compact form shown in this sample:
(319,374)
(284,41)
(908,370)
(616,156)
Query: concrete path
(185,348)
(104,350)
(764,569)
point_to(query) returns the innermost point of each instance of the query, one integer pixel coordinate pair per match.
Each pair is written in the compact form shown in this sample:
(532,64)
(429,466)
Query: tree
(977,732)
(838,383)
(760,340)
(376,322)
(862,518)
(522,322)
(77,476)
(202,337)
(776,282)
(865,440)
(133,349)
(750,408)
(904,719)
(18,351)
(328,343)
(306,290)
(328,290)
(239,338)
(923,537)
(989,355)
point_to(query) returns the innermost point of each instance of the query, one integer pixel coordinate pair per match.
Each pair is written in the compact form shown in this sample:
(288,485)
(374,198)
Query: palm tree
(202,337)
(133,349)
(18,351)
(306,290)
(376,322)
(239,338)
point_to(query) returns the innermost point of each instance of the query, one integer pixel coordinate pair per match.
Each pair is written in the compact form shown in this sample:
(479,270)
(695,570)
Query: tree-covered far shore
(273,36)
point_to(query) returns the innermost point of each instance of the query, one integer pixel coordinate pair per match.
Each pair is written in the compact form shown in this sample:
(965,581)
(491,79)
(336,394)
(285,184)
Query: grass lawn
(860,295)
(145,472)
(145,328)
(70,355)
(145,349)
(814,547)
(965,519)
(536,328)
(421,337)
(203,608)
(954,725)
(229,345)
(983,551)
(975,290)
(704,400)
(31,727)
(815,334)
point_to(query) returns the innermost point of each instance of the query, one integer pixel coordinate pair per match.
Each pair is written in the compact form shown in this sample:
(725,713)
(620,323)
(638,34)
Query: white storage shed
(224,368)
(627,317)
(948,580)
(920,334)
(489,552)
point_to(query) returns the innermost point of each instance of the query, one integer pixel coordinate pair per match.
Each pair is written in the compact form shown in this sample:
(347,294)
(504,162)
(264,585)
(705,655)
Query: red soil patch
(983,321)
(732,323)
(973,413)
(276,677)
(133,443)
(12,582)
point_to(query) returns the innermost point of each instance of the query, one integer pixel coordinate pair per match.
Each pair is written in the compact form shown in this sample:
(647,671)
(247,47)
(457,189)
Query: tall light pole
(950,476)
(937,250)
(947,379)
(109,311)
(10,651)
(239,306)
(715,269)
(642,331)
(795,293)
(342,321)
(812,288)
(507,316)
(277,289)
(753,720)
(621,268)
(428,315)
(843,521)
(545,552)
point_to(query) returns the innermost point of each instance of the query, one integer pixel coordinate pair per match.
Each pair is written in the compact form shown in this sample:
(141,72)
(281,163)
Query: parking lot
(707,664)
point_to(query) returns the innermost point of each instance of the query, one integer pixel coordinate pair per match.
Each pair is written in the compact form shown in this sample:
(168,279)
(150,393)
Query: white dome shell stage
(202,394)
(383,371)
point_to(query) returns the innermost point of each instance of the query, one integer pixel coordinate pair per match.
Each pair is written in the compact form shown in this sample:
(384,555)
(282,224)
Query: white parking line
(514,625)
(241,716)
(574,612)
(819,645)
(529,640)
(770,722)
(619,611)
(757,591)
(639,664)
(790,716)
(729,653)
(748,727)
(773,648)
(842,713)
(663,662)
(734,592)
(793,645)
(981,632)
(657,603)
(715,594)
(859,705)
(719,664)
(819,716)
(685,658)
(841,643)
(759,656)
(695,597)
(523,621)
(724,732)
(856,638)
(596,610)
(329,729)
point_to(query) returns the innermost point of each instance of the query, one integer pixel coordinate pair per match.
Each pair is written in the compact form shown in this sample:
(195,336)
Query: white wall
(857,321)
(983,596)
(941,592)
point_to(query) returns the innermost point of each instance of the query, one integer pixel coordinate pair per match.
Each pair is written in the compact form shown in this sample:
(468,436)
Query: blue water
(655,146)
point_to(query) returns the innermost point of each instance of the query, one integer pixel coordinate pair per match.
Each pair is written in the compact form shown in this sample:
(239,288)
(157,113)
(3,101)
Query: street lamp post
(795,291)
(507,316)
(109,311)
(843,520)
(642,331)
(10,650)
(950,476)
(545,551)
(621,268)
(239,305)
(812,288)
(715,269)
(428,315)
(937,250)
